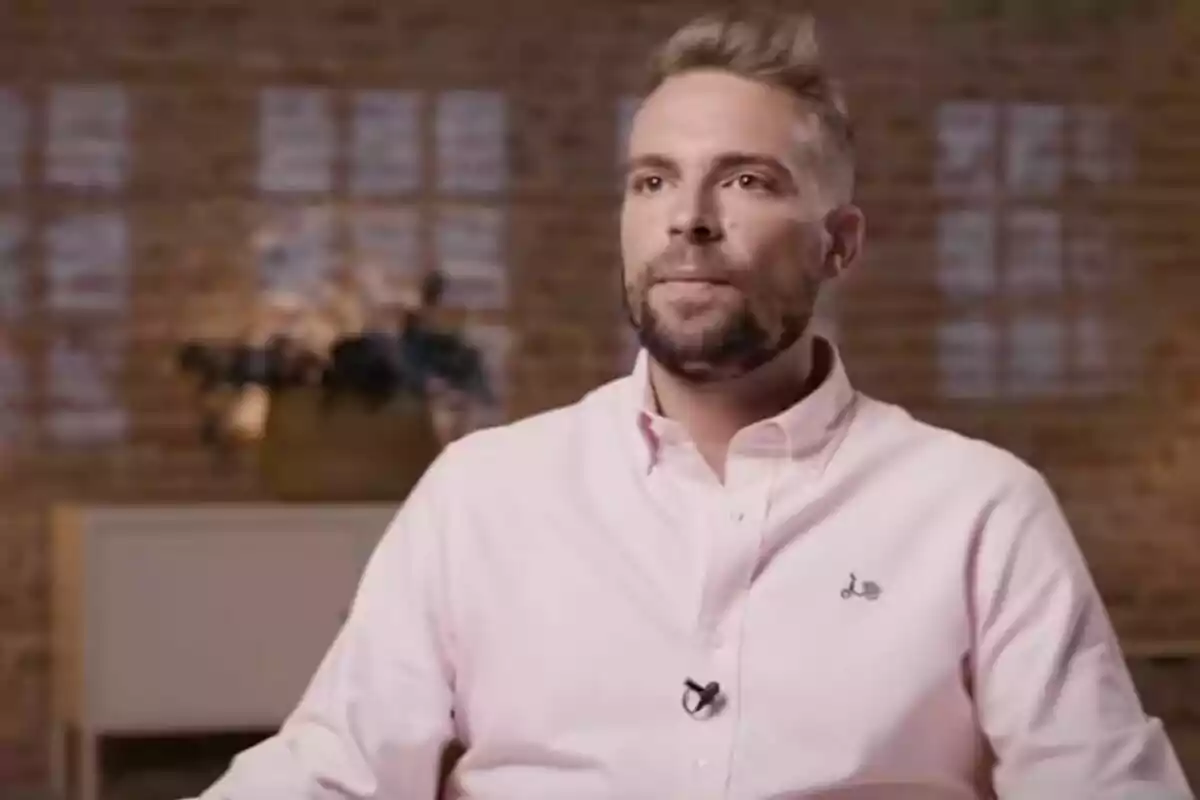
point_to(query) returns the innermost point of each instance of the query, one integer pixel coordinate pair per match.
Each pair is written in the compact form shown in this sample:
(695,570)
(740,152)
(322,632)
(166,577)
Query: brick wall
(1097,191)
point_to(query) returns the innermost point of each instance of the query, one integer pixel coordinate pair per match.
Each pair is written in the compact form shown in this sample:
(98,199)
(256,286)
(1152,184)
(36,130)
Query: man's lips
(693,279)
(691,290)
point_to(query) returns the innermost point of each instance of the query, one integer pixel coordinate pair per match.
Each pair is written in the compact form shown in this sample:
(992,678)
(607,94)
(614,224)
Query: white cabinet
(181,619)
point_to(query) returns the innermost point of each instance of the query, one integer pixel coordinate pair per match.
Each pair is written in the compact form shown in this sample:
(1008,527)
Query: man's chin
(701,370)
(694,359)
(685,350)
(695,334)
(708,359)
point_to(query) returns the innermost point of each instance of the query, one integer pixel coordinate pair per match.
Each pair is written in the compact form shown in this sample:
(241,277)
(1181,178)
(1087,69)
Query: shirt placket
(738,517)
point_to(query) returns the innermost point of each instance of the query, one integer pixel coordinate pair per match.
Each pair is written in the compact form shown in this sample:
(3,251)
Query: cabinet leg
(89,765)
(58,760)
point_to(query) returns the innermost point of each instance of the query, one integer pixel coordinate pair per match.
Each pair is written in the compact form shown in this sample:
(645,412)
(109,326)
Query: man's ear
(845,230)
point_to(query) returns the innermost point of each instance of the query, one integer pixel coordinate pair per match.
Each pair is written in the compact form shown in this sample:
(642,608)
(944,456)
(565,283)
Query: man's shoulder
(943,454)
(545,437)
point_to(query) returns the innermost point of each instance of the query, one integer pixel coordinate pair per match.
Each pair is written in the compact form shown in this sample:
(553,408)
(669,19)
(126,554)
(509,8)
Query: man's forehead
(713,111)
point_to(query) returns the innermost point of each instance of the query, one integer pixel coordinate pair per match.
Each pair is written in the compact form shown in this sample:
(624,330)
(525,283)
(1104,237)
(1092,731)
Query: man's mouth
(691,290)
(695,279)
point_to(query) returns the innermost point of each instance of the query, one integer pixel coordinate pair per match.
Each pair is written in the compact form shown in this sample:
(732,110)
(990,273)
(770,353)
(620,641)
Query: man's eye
(751,181)
(648,183)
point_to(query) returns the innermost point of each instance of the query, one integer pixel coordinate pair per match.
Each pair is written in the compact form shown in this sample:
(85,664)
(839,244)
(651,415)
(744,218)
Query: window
(14,132)
(1027,273)
(83,237)
(494,342)
(13,379)
(413,182)
(12,275)
(14,126)
(87,262)
(13,383)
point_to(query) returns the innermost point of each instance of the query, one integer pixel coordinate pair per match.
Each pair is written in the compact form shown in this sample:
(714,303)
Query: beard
(737,344)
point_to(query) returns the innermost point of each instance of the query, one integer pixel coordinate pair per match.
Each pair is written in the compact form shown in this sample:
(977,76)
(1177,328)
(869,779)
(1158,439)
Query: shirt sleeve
(376,717)
(1054,696)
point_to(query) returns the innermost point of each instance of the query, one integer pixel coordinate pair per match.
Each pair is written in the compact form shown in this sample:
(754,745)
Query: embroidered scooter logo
(868,589)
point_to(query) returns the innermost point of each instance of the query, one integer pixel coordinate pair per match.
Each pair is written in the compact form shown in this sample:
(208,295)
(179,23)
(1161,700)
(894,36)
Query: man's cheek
(771,306)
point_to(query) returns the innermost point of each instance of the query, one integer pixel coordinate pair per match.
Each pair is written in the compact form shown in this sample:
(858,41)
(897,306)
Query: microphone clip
(697,699)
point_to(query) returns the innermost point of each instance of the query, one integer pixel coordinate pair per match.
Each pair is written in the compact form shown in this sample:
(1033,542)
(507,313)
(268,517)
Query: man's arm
(375,718)
(1054,696)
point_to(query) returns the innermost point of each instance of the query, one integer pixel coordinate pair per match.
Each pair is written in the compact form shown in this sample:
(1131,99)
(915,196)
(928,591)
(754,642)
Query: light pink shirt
(553,583)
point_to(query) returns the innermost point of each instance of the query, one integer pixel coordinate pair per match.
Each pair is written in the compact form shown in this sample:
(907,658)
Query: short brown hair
(776,49)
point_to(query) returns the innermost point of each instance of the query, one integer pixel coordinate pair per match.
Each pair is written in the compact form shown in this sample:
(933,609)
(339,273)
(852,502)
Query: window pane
(966,136)
(87,260)
(967,253)
(387,143)
(1094,365)
(968,358)
(83,367)
(627,106)
(296,139)
(1101,154)
(388,247)
(495,346)
(295,250)
(88,145)
(12,270)
(1037,347)
(1034,264)
(1090,254)
(14,132)
(471,257)
(1034,163)
(13,386)
(472,142)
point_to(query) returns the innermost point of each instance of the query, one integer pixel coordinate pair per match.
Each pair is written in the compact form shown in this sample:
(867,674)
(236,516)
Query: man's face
(723,226)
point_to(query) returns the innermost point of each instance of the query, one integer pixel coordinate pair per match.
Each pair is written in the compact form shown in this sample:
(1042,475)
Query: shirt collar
(804,432)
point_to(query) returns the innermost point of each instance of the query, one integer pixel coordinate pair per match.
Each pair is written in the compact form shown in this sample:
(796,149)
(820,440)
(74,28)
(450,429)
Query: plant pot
(345,450)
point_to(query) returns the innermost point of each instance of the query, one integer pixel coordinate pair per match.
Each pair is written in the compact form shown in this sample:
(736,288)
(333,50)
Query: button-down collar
(807,431)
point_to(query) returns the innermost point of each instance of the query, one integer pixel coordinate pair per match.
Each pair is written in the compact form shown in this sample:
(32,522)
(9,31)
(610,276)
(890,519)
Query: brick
(23,562)
(1186,740)
(24,682)
(1168,689)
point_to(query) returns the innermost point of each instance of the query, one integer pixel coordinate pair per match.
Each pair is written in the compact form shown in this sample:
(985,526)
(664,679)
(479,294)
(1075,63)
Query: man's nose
(695,218)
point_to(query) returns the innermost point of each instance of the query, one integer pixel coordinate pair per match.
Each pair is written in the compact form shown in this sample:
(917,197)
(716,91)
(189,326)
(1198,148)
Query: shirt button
(701,763)
(739,516)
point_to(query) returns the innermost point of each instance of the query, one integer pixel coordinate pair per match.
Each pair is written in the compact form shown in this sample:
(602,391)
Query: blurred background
(1031,176)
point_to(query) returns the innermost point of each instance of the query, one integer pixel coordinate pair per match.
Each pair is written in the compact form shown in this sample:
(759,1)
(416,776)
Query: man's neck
(712,413)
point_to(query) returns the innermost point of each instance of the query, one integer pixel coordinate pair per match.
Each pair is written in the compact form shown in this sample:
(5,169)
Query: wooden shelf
(1162,649)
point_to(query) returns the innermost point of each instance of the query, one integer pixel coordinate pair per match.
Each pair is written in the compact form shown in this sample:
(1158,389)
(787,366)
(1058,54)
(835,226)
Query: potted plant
(348,395)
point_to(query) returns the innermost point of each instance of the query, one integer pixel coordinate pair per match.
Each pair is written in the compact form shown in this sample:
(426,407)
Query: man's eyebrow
(650,161)
(750,159)
(723,161)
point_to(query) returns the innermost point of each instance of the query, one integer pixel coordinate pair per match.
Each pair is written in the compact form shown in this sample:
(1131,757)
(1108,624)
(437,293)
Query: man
(728,575)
